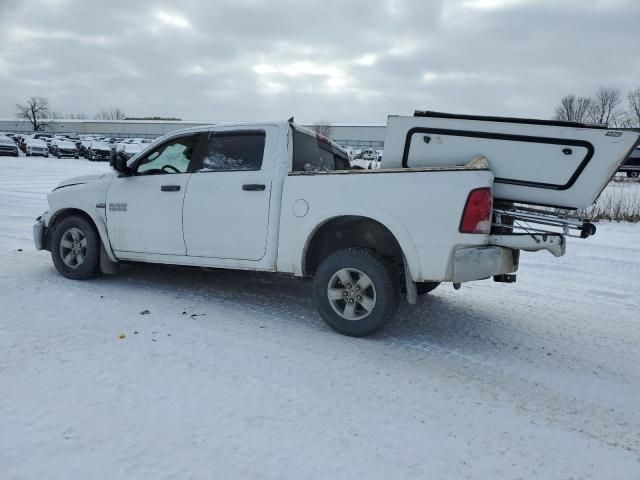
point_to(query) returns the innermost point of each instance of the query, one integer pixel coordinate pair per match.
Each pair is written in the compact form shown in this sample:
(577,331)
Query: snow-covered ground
(234,375)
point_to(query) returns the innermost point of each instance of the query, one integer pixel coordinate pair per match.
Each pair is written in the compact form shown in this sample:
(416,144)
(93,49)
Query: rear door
(144,211)
(226,206)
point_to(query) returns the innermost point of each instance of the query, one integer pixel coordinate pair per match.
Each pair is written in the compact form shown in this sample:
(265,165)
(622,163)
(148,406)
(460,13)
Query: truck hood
(81,180)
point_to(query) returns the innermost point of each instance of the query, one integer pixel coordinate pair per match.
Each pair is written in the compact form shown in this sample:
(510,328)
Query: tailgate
(535,162)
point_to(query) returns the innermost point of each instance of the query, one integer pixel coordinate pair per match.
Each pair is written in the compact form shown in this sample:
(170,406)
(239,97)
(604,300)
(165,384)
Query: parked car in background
(128,149)
(99,151)
(8,146)
(36,148)
(632,165)
(42,136)
(63,148)
(84,146)
(369,154)
(22,143)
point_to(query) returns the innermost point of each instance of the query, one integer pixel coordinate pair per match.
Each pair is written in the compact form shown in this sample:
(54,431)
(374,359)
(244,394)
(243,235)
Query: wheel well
(66,213)
(346,232)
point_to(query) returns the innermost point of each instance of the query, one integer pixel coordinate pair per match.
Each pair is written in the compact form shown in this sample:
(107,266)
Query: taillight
(476,217)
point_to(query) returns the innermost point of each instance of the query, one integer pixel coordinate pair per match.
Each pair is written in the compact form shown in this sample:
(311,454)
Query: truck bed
(427,204)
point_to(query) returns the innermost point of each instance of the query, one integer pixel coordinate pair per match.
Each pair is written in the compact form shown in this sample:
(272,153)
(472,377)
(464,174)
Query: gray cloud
(340,60)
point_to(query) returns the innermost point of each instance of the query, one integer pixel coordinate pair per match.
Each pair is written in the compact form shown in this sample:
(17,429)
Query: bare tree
(111,114)
(634,107)
(36,111)
(573,109)
(323,127)
(605,107)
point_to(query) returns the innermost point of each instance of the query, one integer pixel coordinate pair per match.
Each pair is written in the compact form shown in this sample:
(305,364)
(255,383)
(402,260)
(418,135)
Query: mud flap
(410,285)
(107,266)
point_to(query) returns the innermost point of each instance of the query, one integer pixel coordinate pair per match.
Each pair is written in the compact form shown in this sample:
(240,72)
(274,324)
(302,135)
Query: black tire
(633,174)
(386,291)
(426,287)
(88,267)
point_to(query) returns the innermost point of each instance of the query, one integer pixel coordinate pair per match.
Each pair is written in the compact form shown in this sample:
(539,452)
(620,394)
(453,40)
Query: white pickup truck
(277,197)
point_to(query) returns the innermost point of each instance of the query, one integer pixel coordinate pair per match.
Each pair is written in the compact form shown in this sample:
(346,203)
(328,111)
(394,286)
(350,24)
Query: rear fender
(379,215)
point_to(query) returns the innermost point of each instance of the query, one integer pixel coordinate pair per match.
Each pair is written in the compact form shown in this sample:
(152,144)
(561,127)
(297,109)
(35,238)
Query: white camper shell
(535,162)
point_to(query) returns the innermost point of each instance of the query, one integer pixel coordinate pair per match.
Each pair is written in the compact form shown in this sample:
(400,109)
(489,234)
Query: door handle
(253,187)
(170,188)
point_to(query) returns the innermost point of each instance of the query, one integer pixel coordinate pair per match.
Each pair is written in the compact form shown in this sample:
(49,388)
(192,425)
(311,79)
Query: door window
(233,151)
(173,156)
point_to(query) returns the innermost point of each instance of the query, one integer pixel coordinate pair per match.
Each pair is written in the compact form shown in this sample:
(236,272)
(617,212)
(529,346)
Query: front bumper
(67,153)
(37,153)
(101,155)
(39,233)
(8,150)
(478,263)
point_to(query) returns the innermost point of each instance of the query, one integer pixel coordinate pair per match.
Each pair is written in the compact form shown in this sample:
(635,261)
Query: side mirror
(119,163)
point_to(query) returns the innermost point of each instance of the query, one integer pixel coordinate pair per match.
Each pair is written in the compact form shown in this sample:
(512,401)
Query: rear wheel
(633,174)
(75,248)
(356,292)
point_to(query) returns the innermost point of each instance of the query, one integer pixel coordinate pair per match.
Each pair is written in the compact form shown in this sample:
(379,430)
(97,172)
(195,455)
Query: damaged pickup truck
(448,205)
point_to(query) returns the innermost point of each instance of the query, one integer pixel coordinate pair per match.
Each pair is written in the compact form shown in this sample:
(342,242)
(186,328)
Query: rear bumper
(39,234)
(478,263)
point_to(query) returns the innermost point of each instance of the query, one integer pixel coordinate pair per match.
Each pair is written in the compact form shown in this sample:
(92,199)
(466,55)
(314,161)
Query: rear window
(315,154)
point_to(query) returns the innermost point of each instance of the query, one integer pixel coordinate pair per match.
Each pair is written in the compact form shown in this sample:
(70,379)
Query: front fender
(87,198)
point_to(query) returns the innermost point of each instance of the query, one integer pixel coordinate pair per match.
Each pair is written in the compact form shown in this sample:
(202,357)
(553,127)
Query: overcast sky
(345,61)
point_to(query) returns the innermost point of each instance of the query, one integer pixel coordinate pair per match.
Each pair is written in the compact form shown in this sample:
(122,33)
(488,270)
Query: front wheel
(75,248)
(356,292)
(633,174)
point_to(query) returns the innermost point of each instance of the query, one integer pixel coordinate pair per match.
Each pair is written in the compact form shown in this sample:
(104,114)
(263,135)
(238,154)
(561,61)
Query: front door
(226,207)
(144,211)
